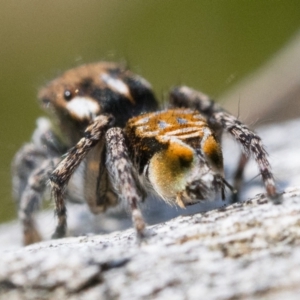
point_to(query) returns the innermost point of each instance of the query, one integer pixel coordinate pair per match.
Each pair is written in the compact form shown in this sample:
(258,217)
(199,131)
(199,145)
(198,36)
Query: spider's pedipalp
(61,175)
(122,174)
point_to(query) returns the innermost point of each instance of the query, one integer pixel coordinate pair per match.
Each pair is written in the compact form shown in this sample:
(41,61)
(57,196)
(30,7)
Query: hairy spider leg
(251,144)
(30,187)
(121,171)
(61,175)
(239,176)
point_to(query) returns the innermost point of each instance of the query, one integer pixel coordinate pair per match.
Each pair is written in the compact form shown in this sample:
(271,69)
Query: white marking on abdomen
(181,131)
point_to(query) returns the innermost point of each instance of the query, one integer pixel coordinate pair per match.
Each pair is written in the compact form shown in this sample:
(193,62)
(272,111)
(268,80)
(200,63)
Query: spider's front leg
(123,177)
(61,175)
(31,170)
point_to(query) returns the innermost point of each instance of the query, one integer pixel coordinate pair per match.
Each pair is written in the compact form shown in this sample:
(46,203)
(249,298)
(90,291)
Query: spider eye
(68,95)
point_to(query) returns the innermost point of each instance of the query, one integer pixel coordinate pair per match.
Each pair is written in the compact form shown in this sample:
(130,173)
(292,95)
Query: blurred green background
(209,45)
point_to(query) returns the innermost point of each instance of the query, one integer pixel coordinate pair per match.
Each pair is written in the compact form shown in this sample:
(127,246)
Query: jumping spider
(108,123)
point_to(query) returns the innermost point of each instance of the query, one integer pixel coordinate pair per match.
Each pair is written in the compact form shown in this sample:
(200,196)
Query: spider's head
(82,93)
(185,174)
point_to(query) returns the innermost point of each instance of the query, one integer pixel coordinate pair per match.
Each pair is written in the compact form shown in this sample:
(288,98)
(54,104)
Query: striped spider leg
(221,121)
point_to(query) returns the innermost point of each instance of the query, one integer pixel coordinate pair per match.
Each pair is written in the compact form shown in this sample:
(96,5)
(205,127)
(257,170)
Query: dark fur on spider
(108,126)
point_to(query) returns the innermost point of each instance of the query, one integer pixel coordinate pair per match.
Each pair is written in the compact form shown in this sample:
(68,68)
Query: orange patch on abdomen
(212,150)
(179,153)
(180,123)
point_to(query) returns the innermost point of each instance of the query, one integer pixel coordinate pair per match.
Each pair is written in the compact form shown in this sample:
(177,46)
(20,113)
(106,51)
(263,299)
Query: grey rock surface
(249,250)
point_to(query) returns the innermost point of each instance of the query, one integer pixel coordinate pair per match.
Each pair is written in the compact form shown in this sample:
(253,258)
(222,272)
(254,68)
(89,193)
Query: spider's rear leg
(184,96)
(61,175)
(238,177)
(251,144)
(122,175)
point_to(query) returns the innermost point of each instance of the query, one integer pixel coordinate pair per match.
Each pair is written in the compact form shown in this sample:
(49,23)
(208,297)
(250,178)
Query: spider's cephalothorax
(83,93)
(118,145)
(86,101)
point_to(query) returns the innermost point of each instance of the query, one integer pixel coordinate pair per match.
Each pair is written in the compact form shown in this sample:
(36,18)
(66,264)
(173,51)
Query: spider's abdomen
(174,149)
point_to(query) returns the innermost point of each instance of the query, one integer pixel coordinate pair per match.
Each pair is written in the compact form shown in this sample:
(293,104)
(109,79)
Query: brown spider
(121,146)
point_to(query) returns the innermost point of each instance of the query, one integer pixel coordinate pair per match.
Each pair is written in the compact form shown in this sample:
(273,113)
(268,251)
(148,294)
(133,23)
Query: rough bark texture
(248,250)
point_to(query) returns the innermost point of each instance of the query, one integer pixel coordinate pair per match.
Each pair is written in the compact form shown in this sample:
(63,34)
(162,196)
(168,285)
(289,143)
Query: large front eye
(68,95)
